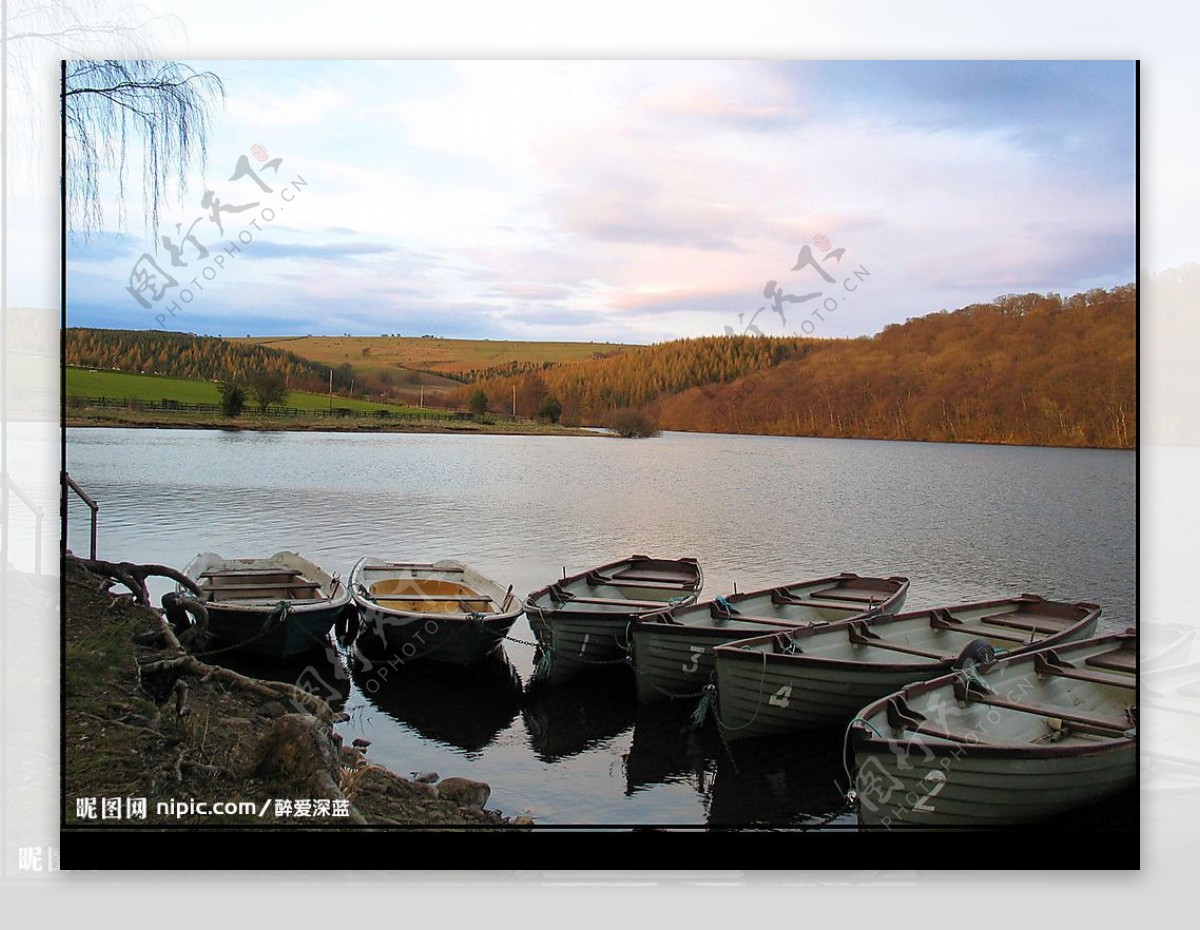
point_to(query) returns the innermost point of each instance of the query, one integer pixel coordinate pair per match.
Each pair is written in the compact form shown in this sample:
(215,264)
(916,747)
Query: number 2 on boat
(697,652)
(938,777)
(780,697)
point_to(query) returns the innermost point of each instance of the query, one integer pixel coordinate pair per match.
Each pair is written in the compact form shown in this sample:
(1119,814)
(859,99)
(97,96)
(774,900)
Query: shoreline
(460,427)
(482,429)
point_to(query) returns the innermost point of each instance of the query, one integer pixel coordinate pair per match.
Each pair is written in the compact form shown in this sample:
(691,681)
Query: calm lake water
(962,522)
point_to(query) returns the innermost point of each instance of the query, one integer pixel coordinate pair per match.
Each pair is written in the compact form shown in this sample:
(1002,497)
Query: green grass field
(83,382)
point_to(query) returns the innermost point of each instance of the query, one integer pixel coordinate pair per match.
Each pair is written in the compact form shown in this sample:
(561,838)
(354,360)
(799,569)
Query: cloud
(331,251)
(103,247)
(532,291)
(688,299)
(650,199)
(288,105)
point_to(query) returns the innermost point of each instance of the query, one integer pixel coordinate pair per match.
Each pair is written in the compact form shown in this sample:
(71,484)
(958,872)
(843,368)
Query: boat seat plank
(1022,620)
(861,639)
(851,594)
(1068,716)
(1118,660)
(265,585)
(390,566)
(251,572)
(926,729)
(680,578)
(616,601)
(434,597)
(901,717)
(957,626)
(596,580)
(828,604)
(769,621)
(1044,666)
(272,596)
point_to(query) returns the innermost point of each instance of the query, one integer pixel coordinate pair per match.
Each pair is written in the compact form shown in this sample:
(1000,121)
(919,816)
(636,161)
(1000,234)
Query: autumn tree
(550,409)
(633,424)
(267,388)
(477,402)
(233,398)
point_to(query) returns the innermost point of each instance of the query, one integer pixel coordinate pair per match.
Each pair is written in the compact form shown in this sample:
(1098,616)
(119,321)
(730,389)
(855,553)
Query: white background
(1161,34)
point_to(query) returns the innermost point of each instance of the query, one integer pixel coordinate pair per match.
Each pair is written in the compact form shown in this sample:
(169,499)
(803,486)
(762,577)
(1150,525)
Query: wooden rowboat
(442,611)
(672,651)
(583,620)
(282,605)
(1006,742)
(820,677)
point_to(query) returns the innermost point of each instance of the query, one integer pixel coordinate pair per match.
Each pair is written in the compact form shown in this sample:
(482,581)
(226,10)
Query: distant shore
(128,419)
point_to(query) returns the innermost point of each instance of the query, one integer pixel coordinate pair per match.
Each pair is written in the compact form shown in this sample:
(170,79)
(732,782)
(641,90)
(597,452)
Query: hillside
(1032,368)
(182,355)
(1027,369)
(84,383)
(206,358)
(590,392)
(461,359)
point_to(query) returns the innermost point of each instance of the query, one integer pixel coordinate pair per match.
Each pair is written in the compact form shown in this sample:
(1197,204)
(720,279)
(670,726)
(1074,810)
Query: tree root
(158,679)
(133,576)
(133,727)
(177,607)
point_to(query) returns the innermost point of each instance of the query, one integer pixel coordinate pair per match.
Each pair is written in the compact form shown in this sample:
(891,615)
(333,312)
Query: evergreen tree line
(591,391)
(207,358)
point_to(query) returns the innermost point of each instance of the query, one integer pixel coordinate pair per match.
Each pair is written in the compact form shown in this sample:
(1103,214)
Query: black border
(344,846)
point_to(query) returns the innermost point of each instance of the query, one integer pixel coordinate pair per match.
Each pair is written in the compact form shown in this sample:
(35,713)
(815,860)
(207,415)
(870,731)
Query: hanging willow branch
(111,106)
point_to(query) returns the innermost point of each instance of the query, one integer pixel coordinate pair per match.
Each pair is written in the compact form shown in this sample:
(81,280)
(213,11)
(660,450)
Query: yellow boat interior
(430,595)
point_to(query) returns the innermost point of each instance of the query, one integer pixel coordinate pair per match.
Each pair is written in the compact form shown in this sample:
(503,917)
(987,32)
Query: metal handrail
(37,521)
(69,484)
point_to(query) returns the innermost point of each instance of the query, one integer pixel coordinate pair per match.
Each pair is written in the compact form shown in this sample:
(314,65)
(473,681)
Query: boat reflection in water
(320,671)
(569,717)
(667,749)
(464,707)
(796,780)
(790,780)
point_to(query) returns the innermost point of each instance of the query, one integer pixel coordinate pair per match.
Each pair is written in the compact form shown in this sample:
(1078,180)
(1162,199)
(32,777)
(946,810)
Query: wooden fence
(167,404)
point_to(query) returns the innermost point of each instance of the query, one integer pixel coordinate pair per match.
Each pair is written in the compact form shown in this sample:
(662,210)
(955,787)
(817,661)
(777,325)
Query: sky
(627,201)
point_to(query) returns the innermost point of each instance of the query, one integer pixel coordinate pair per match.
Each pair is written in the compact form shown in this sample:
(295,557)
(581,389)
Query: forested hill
(1033,368)
(590,391)
(181,355)
(1029,369)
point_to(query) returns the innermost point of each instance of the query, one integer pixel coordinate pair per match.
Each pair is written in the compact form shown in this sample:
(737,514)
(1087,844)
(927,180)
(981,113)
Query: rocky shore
(155,736)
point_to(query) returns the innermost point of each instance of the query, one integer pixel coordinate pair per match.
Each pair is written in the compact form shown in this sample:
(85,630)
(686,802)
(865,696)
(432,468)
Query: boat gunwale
(338,598)
(735,650)
(664,619)
(365,605)
(547,613)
